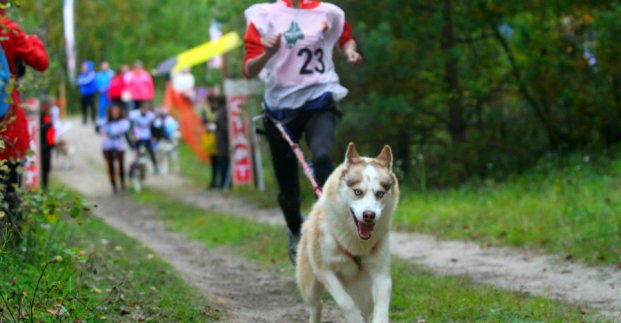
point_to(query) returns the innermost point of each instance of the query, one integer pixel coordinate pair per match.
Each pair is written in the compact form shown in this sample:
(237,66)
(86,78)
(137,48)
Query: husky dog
(168,155)
(344,247)
(138,169)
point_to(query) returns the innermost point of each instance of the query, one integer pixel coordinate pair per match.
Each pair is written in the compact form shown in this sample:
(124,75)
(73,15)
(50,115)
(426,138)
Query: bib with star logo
(303,68)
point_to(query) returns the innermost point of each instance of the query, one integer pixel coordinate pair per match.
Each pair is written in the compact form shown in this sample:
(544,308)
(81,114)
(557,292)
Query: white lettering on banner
(240,145)
(32,162)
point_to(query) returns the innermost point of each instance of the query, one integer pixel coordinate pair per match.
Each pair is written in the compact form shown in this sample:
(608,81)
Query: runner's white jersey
(303,68)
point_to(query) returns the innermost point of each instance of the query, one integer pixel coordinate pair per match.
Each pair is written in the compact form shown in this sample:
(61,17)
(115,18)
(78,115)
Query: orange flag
(190,124)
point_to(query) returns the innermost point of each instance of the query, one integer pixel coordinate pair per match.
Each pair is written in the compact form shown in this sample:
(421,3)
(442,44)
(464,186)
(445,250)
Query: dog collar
(357,258)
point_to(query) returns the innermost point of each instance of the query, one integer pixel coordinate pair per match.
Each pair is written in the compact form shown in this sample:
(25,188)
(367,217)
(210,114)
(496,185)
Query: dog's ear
(352,156)
(385,157)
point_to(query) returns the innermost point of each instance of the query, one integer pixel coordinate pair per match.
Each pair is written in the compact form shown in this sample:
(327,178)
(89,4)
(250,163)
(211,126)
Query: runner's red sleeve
(254,45)
(346,35)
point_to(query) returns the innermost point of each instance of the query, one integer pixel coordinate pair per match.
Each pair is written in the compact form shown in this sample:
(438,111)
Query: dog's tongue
(365,230)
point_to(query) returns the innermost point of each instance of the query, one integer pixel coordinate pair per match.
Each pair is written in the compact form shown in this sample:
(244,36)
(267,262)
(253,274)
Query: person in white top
(289,45)
(141,123)
(183,83)
(114,130)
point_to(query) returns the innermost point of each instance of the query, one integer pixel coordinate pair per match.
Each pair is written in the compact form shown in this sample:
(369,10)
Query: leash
(300,157)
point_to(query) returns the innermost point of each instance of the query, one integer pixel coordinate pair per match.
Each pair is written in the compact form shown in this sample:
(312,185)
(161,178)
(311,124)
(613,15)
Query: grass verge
(573,210)
(94,273)
(417,293)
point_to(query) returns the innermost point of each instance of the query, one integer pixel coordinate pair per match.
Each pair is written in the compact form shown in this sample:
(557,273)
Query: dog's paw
(354,317)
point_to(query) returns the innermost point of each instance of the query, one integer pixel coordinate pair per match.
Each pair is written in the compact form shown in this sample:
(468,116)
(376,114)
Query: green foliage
(80,269)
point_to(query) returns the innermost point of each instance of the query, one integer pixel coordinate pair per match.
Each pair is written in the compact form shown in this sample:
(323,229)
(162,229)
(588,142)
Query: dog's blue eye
(380,194)
(357,192)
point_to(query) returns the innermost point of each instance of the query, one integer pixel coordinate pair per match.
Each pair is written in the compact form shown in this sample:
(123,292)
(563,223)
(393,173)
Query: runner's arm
(348,46)
(258,52)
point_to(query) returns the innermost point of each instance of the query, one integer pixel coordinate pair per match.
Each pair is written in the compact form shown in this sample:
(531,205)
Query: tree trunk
(456,121)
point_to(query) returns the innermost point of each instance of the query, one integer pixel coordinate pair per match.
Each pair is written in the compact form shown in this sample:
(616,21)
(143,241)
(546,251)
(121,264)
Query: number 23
(321,68)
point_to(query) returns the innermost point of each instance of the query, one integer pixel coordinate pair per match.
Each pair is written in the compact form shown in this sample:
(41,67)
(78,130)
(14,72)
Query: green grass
(417,293)
(573,210)
(103,276)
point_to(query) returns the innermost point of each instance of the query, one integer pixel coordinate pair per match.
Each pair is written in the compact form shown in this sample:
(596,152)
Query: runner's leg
(121,160)
(109,156)
(286,171)
(320,132)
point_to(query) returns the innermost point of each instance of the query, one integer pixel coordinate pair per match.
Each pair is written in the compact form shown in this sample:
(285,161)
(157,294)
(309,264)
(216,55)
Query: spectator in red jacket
(117,87)
(29,49)
(47,141)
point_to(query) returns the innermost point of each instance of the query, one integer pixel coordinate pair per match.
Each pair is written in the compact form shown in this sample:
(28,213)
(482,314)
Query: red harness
(358,259)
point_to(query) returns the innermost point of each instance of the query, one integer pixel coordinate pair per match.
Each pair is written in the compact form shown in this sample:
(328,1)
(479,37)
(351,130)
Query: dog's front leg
(340,295)
(381,288)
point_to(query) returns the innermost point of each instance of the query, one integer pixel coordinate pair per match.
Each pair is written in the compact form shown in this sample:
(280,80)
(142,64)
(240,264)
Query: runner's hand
(353,57)
(272,44)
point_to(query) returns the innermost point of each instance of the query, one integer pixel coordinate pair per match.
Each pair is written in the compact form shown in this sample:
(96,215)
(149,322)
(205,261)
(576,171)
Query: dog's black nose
(368,215)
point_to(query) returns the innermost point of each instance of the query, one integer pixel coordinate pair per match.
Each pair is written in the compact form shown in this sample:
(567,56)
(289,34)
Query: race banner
(69,28)
(242,104)
(31,175)
(241,151)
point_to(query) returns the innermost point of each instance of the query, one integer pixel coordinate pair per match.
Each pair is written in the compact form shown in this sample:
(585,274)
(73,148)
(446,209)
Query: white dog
(168,155)
(344,247)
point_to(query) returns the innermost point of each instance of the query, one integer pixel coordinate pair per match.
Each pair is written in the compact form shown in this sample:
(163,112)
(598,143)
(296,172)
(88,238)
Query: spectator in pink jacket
(140,86)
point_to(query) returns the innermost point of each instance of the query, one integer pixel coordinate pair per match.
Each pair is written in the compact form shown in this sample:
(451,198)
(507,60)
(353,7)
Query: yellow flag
(207,51)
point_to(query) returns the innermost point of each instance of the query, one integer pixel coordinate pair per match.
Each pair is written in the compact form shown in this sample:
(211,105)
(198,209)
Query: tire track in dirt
(246,292)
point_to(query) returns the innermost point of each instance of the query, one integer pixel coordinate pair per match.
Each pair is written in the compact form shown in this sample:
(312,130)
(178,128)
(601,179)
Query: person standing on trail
(88,87)
(140,86)
(222,162)
(103,78)
(16,48)
(289,44)
(141,125)
(114,130)
(47,140)
(116,89)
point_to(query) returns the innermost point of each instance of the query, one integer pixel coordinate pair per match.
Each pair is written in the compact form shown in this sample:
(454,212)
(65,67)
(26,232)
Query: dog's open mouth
(365,229)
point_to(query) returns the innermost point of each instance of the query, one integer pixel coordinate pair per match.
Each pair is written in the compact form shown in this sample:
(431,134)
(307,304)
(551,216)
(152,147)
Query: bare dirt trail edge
(247,293)
(598,288)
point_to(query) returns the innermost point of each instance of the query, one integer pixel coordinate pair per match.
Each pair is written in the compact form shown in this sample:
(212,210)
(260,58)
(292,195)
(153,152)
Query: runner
(289,44)
(141,123)
(114,129)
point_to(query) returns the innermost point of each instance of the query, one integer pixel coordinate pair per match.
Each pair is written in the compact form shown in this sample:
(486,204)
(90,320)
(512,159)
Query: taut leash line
(300,156)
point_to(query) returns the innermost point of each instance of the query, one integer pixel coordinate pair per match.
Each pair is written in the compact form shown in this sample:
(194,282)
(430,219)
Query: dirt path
(247,293)
(598,288)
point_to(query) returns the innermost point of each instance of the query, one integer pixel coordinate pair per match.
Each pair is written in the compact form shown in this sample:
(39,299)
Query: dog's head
(370,188)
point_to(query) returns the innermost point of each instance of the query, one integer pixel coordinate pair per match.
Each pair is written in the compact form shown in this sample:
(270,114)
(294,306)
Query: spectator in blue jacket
(103,78)
(88,87)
